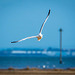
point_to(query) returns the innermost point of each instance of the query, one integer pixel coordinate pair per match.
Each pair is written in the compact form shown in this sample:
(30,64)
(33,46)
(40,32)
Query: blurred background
(23,18)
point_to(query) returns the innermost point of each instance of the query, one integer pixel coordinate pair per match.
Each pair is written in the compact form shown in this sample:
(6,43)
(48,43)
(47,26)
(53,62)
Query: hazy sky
(23,18)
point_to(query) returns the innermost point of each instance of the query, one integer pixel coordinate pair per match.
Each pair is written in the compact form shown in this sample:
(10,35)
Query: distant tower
(60,45)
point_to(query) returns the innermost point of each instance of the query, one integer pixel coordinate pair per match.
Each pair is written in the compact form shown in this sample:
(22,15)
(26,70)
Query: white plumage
(39,36)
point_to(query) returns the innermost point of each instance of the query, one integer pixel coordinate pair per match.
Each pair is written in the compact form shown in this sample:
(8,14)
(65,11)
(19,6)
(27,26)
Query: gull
(39,36)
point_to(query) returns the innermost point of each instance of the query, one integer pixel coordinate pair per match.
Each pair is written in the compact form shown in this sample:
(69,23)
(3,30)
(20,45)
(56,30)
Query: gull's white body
(39,36)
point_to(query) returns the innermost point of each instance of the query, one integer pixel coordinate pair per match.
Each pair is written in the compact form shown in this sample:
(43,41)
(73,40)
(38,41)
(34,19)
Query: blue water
(38,62)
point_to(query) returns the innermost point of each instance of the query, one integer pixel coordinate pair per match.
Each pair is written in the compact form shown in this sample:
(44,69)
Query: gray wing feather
(24,39)
(44,21)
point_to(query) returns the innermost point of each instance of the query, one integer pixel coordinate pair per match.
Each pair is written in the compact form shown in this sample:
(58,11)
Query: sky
(23,18)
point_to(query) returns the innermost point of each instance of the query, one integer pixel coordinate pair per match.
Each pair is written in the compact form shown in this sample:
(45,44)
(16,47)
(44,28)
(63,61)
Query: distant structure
(54,66)
(60,45)
(44,66)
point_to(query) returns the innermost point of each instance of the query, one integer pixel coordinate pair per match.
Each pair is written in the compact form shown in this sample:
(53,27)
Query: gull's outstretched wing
(44,21)
(24,39)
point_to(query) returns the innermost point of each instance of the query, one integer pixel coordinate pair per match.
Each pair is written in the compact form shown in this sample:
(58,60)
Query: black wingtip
(49,12)
(14,42)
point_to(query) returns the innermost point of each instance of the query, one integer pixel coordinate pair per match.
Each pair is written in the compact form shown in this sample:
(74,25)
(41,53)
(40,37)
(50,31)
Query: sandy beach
(37,72)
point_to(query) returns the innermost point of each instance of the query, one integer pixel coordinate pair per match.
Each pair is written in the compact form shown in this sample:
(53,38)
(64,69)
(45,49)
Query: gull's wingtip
(49,9)
(14,42)
(49,12)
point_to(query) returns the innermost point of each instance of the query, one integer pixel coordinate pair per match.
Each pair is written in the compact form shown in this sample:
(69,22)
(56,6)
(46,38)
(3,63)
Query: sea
(36,62)
(20,58)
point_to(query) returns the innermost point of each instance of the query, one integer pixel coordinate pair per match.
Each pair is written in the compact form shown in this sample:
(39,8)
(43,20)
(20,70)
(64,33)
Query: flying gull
(39,36)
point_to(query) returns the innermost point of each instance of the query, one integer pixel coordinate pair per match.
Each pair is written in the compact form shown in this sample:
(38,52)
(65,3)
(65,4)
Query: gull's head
(39,37)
